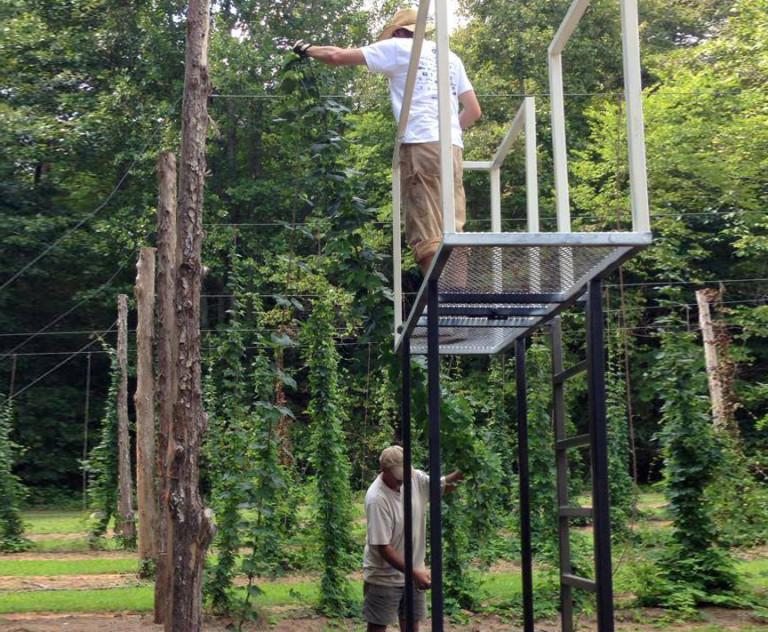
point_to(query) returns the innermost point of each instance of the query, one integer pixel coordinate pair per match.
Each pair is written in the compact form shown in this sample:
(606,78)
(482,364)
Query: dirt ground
(636,621)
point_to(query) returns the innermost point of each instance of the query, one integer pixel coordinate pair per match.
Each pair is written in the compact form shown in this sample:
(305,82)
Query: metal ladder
(596,440)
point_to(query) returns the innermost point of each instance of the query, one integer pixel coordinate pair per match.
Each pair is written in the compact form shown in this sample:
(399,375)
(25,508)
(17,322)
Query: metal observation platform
(488,292)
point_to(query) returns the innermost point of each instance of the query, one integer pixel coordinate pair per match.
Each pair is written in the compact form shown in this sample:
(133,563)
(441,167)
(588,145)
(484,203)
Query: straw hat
(403,19)
(391,459)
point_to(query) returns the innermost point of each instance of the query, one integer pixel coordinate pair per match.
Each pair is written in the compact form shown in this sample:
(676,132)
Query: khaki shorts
(420,185)
(384,605)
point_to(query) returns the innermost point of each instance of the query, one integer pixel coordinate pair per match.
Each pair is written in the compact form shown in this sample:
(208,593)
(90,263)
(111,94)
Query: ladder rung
(576,512)
(579,441)
(569,373)
(578,582)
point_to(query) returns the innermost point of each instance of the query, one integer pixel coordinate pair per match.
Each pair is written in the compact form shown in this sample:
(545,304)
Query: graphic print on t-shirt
(391,58)
(426,77)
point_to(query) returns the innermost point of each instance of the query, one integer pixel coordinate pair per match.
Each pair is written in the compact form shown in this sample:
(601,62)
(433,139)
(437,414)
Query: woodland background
(297,307)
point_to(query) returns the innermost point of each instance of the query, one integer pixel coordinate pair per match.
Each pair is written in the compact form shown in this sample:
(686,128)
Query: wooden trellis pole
(144,398)
(720,372)
(126,521)
(191,523)
(167,356)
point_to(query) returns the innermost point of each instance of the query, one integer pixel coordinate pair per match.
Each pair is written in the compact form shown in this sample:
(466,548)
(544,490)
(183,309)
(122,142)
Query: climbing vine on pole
(620,481)
(694,569)
(327,410)
(541,449)
(12,491)
(102,462)
(225,449)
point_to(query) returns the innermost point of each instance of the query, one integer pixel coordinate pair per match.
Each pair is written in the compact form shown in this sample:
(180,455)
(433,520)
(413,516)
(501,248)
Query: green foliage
(501,428)
(326,411)
(472,513)
(102,463)
(298,203)
(242,453)
(541,450)
(12,491)
(621,485)
(693,569)
(738,496)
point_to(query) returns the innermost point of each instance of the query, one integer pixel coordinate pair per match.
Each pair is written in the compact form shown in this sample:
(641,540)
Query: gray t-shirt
(386,525)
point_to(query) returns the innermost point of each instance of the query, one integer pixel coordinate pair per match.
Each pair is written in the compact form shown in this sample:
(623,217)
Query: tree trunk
(720,372)
(167,356)
(126,523)
(144,291)
(191,524)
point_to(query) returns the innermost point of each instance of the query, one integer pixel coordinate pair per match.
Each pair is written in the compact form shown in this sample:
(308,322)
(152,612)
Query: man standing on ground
(384,560)
(420,151)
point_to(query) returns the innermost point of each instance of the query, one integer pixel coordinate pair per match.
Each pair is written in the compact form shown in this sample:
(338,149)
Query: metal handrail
(641,222)
(413,65)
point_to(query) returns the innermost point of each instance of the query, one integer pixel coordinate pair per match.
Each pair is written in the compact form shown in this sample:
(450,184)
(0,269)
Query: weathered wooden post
(126,521)
(167,356)
(192,528)
(144,398)
(719,369)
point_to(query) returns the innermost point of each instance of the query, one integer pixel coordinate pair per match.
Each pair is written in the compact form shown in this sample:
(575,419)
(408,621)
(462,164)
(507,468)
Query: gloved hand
(301,47)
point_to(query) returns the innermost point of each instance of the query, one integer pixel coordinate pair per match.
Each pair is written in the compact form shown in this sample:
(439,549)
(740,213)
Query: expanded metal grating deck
(495,287)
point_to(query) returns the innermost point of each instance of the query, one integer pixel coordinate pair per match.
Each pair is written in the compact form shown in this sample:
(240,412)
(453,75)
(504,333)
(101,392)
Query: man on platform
(384,559)
(419,153)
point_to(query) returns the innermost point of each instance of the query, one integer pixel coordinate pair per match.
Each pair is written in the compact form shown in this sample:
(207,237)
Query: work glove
(301,47)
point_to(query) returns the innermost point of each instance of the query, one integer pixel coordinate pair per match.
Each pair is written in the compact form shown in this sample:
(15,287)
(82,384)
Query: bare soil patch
(68,582)
(646,620)
(36,537)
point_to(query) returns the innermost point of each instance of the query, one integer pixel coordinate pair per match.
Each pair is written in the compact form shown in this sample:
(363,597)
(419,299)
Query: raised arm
(331,55)
(471,111)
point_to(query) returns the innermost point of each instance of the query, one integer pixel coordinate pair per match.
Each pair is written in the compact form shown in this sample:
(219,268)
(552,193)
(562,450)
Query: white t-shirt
(386,525)
(391,58)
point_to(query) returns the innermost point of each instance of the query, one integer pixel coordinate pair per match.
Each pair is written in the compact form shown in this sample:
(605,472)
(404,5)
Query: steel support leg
(598,429)
(436,523)
(561,457)
(525,493)
(407,484)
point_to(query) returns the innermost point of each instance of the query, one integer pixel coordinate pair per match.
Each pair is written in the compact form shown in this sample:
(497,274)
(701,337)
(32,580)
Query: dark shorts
(384,605)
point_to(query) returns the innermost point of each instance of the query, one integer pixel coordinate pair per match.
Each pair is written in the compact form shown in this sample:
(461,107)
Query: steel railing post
(633,89)
(598,430)
(435,488)
(444,114)
(407,483)
(526,553)
(531,166)
(397,253)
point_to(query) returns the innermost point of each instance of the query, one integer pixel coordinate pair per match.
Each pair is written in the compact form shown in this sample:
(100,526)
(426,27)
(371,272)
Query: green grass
(75,545)
(141,598)
(49,568)
(755,572)
(49,522)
